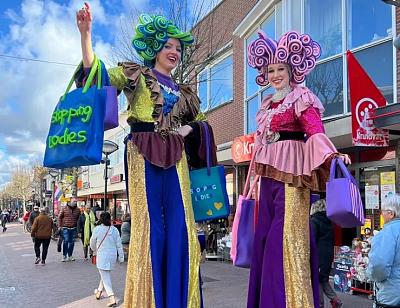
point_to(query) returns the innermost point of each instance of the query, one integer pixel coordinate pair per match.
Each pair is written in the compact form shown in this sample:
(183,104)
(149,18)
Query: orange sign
(242,148)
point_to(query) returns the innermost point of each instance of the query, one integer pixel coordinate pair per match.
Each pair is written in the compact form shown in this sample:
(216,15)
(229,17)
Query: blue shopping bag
(208,189)
(77,125)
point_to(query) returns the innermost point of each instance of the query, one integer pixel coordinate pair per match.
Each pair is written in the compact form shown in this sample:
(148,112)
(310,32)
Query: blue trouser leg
(168,237)
(72,234)
(157,230)
(69,241)
(177,242)
(65,242)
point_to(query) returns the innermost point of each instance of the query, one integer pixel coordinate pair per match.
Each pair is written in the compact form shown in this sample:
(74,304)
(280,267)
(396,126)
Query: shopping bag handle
(208,147)
(338,165)
(247,191)
(96,68)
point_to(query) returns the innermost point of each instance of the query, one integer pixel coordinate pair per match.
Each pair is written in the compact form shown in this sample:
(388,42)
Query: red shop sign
(242,148)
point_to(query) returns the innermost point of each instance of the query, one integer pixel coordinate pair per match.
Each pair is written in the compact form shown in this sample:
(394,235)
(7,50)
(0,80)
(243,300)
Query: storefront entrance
(376,184)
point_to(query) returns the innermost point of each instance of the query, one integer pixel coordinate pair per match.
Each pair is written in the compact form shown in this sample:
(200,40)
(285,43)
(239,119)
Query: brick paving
(71,284)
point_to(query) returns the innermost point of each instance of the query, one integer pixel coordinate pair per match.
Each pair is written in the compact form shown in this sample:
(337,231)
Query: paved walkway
(71,284)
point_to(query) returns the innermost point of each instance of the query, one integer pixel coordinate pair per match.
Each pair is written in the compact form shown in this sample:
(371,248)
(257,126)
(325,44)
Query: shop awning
(388,117)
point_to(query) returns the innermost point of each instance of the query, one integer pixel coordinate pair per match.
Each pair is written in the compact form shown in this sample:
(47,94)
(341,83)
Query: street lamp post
(54,174)
(109,147)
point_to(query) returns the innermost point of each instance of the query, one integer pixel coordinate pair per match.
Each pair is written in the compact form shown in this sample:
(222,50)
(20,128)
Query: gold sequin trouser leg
(164,255)
(280,269)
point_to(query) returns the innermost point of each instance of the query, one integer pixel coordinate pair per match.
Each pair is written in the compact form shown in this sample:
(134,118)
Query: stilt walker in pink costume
(293,156)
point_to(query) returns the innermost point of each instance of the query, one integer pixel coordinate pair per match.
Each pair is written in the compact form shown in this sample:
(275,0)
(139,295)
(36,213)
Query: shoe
(43,262)
(336,303)
(71,258)
(64,259)
(97,294)
(112,302)
(37,261)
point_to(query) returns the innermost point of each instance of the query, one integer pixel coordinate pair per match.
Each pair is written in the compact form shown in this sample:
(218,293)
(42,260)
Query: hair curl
(152,32)
(299,51)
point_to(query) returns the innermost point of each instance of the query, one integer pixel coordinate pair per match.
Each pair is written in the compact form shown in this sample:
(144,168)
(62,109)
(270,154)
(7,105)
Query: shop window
(202,84)
(367,22)
(266,92)
(323,21)
(252,108)
(272,26)
(295,15)
(119,154)
(377,61)
(216,84)
(251,73)
(221,83)
(326,81)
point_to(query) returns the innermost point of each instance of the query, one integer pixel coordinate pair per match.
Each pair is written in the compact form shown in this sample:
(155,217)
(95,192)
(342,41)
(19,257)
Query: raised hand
(84,19)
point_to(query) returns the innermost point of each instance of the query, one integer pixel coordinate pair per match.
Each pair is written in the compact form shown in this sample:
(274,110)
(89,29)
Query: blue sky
(46,30)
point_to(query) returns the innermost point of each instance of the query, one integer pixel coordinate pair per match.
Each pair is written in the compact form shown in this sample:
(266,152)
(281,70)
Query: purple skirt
(284,269)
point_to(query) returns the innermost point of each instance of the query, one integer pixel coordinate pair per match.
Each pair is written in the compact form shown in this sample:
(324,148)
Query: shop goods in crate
(361,249)
(343,264)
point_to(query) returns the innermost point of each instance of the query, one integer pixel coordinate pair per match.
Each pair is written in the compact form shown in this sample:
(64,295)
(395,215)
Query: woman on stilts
(292,156)
(164,254)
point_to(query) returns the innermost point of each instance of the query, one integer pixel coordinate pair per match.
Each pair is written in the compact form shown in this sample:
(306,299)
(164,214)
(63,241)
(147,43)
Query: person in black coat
(323,234)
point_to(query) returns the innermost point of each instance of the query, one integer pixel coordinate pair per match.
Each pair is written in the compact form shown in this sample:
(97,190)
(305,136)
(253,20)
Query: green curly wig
(152,32)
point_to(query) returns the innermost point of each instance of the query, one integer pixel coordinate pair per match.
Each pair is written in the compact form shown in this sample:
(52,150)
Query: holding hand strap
(96,68)
(247,190)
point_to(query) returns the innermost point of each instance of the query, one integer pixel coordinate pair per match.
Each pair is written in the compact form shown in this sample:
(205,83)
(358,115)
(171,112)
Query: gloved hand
(121,259)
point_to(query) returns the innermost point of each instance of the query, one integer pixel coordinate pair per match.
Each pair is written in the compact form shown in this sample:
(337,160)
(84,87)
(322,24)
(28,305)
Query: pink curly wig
(299,51)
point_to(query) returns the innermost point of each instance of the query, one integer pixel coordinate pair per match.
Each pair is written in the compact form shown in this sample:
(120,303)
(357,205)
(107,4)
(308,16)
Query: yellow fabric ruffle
(139,291)
(296,248)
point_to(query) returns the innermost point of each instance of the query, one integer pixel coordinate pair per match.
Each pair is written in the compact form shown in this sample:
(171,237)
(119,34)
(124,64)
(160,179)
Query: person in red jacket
(68,220)
(25,219)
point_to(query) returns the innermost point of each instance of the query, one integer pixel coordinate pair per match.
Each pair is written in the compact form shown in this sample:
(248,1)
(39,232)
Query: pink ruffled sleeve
(310,121)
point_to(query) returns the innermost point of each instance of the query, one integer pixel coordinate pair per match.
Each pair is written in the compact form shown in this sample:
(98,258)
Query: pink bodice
(308,122)
(296,162)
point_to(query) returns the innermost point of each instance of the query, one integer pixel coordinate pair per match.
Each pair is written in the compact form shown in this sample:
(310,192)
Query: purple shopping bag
(244,224)
(111,114)
(343,200)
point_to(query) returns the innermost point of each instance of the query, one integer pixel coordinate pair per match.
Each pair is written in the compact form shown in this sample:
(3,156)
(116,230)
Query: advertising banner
(372,197)
(365,97)
(388,185)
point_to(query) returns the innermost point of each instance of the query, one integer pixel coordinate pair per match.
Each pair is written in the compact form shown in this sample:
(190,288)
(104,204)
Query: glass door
(376,184)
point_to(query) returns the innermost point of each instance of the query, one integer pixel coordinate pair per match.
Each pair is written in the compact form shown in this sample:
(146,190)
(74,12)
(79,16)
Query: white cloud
(30,90)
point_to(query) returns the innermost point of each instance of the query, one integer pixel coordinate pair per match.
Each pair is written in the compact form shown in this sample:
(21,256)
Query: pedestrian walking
(126,233)
(4,219)
(85,229)
(25,220)
(106,244)
(292,156)
(322,229)
(68,220)
(96,210)
(35,213)
(41,234)
(162,116)
(384,256)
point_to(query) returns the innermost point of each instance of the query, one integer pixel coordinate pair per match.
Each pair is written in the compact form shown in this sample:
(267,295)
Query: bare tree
(39,175)
(20,187)
(188,16)
(327,84)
